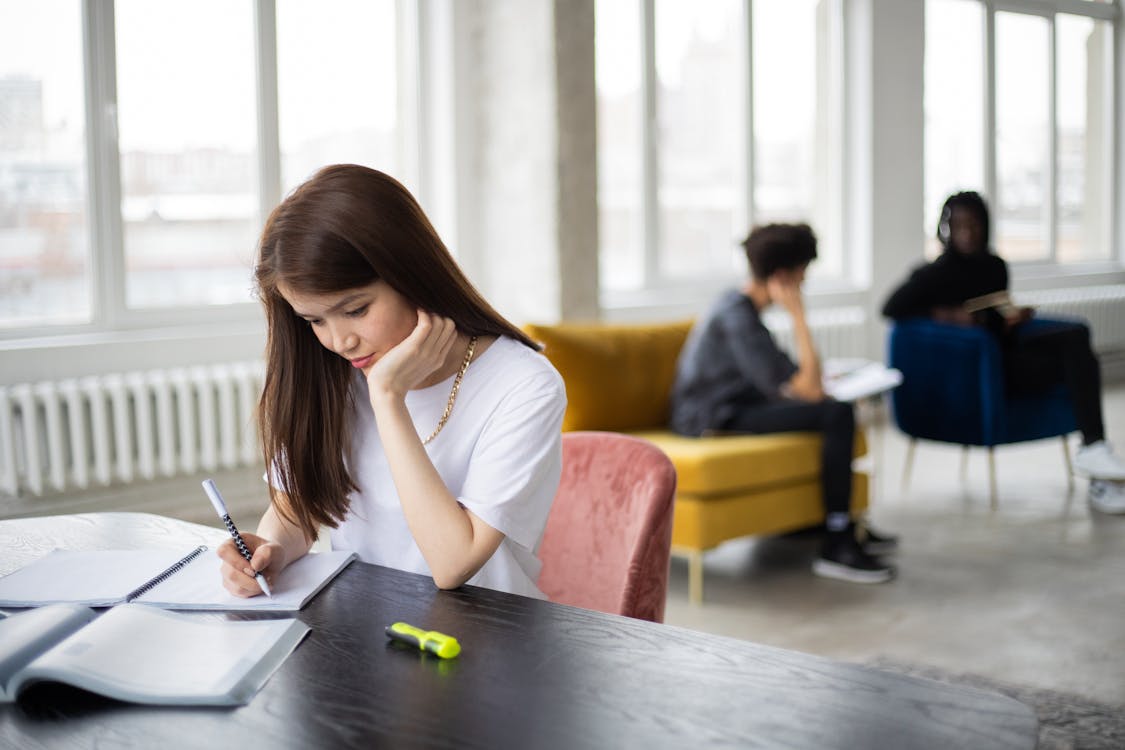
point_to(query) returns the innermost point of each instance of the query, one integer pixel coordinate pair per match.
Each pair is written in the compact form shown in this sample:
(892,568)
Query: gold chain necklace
(453,393)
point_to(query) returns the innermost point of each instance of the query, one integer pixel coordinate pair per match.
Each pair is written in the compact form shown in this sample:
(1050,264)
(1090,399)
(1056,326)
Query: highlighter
(426,640)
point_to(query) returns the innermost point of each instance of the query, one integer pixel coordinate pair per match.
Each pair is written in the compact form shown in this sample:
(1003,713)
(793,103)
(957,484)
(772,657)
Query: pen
(221,508)
(426,640)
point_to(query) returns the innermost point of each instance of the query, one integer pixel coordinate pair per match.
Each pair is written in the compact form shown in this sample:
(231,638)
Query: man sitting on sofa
(733,377)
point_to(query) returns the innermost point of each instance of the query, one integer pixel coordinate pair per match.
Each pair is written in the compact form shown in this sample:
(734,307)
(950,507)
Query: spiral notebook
(143,655)
(187,579)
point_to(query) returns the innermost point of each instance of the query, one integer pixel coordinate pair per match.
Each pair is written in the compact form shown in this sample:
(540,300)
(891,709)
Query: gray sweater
(730,361)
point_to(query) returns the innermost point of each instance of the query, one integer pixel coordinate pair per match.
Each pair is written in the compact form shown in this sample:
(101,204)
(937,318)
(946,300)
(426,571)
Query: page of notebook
(199,585)
(146,655)
(96,579)
(103,578)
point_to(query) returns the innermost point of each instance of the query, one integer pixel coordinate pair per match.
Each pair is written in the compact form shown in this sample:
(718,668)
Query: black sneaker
(843,558)
(873,542)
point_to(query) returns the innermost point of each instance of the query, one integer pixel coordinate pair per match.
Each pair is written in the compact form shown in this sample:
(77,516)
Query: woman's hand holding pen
(268,558)
(418,357)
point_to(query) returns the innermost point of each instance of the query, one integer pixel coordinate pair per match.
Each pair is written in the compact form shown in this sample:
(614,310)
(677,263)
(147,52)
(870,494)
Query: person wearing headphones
(1034,360)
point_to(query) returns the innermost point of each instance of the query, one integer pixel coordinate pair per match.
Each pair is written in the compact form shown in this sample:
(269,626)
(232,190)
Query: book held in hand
(1000,301)
(186,579)
(143,655)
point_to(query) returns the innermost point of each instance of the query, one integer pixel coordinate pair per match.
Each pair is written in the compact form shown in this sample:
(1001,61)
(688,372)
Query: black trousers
(833,419)
(1036,360)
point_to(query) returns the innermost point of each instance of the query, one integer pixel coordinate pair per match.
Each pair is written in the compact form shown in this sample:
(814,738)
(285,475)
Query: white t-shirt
(500,455)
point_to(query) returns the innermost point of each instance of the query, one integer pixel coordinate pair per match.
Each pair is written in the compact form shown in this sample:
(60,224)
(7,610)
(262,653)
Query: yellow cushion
(739,463)
(618,377)
(703,523)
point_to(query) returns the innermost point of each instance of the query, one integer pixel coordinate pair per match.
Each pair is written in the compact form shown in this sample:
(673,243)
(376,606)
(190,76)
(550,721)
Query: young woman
(1035,359)
(399,408)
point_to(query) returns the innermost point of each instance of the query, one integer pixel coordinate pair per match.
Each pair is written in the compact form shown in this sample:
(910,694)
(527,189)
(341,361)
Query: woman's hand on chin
(414,360)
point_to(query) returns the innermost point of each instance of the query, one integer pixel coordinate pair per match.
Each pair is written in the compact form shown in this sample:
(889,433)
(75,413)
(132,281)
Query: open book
(848,379)
(172,579)
(1000,301)
(143,655)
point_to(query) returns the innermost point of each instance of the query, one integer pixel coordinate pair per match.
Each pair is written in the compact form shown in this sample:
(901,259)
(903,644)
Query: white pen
(221,508)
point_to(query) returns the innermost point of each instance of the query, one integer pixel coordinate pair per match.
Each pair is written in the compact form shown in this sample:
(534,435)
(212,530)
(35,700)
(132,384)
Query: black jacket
(947,282)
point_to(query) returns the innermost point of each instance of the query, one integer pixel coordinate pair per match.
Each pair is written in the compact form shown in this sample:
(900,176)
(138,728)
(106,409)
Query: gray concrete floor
(1033,593)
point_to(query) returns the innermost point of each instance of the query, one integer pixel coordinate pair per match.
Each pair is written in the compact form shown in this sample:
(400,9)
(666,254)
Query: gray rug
(1066,721)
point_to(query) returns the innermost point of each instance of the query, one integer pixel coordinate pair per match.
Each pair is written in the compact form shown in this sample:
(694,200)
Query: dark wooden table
(531,675)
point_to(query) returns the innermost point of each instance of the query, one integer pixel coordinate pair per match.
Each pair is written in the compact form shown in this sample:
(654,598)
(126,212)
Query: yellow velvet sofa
(619,377)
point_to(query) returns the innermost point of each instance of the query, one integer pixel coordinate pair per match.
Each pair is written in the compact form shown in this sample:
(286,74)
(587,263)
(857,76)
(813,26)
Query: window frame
(110,317)
(1049,10)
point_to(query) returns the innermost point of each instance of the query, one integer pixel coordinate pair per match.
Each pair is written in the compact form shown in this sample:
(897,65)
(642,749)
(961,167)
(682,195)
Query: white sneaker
(1098,461)
(1106,497)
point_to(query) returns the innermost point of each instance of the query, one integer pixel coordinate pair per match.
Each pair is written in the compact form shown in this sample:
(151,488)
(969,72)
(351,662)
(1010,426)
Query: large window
(44,246)
(1022,203)
(187,124)
(621,158)
(713,117)
(337,97)
(197,129)
(954,105)
(1024,115)
(789,78)
(1084,113)
(700,141)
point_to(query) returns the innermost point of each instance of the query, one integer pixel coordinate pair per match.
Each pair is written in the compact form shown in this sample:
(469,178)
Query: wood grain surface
(531,674)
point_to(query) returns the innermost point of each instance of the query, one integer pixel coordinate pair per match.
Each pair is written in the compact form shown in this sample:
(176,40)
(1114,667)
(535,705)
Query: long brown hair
(346,227)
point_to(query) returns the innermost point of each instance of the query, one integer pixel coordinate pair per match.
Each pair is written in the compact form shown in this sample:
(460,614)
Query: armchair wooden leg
(1069,467)
(964,462)
(992,477)
(695,577)
(908,464)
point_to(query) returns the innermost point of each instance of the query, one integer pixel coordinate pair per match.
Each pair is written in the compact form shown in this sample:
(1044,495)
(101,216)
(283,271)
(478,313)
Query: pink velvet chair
(609,535)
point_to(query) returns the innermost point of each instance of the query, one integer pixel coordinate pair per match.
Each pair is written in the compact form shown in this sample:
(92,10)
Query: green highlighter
(432,641)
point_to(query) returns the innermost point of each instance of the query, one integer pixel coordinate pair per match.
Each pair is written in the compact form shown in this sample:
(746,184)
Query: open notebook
(143,655)
(849,379)
(172,579)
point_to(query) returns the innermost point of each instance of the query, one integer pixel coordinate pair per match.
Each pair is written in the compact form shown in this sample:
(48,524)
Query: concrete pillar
(527,216)
(885,146)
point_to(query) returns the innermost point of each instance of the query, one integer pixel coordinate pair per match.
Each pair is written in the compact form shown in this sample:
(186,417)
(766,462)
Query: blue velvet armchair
(953,392)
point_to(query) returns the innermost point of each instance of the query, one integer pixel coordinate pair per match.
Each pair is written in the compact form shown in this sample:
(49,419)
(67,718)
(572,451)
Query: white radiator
(66,434)
(1103,307)
(836,331)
